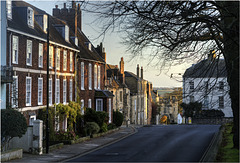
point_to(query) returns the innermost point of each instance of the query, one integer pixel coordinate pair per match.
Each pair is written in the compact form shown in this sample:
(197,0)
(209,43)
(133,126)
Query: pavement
(74,150)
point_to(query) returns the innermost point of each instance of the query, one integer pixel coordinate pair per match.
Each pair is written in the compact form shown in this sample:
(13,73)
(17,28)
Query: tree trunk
(231,53)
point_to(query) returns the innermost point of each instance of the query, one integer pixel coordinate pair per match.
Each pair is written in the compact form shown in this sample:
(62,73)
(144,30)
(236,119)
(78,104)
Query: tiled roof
(206,69)
(103,93)
(85,53)
(18,23)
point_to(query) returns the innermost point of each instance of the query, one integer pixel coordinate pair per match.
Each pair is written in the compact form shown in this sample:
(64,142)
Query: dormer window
(89,45)
(66,33)
(63,30)
(75,40)
(42,21)
(30,17)
(9,9)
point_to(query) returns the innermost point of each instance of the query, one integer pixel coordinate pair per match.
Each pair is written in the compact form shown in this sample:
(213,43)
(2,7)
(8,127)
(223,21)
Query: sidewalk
(70,151)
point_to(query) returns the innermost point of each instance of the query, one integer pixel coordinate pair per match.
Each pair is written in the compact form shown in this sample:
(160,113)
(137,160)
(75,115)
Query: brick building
(91,64)
(77,69)
(27,53)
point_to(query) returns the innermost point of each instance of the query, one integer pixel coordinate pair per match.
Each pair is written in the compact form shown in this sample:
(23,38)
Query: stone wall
(212,120)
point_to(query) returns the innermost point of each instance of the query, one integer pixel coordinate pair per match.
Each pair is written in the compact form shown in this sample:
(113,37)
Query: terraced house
(77,69)
(91,64)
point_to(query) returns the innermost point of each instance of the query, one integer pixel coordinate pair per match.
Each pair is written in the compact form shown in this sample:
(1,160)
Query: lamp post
(47,126)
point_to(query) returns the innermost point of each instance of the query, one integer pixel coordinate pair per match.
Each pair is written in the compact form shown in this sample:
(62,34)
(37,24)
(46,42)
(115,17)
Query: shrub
(192,109)
(212,113)
(95,116)
(63,135)
(92,128)
(13,124)
(117,118)
(111,126)
(104,128)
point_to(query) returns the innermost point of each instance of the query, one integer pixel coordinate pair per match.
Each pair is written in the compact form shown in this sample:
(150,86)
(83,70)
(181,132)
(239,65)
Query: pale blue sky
(115,50)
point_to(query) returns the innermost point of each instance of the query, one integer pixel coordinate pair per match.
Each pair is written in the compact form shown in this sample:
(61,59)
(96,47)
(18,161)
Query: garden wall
(31,141)
(216,121)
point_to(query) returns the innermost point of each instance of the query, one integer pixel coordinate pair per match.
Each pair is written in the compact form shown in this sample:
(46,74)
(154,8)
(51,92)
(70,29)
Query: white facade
(212,92)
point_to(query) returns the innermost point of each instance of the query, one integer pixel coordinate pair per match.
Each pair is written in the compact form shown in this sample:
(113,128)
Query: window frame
(99,77)
(51,57)
(58,57)
(221,102)
(64,60)
(15,79)
(95,77)
(15,51)
(29,47)
(71,61)
(101,105)
(9,9)
(82,76)
(64,91)
(40,91)
(191,85)
(70,89)
(90,76)
(121,96)
(30,17)
(30,91)
(40,55)
(57,98)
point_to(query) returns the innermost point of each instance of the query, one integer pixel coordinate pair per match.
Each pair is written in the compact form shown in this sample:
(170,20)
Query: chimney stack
(121,64)
(141,72)
(56,11)
(138,71)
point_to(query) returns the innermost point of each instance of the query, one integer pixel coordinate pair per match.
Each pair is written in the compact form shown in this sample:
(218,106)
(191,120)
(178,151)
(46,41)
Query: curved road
(172,143)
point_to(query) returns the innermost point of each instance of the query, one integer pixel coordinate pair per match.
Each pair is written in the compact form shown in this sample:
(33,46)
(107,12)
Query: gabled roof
(207,69)
(130,74)
(18,23)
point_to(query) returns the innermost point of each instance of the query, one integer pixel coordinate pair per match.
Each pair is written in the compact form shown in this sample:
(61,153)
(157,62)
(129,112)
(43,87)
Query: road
(172,143)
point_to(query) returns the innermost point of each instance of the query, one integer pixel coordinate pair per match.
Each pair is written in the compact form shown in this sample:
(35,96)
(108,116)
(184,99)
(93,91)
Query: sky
(115,50)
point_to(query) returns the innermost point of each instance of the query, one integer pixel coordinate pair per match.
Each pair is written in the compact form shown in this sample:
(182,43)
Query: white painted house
(206,82)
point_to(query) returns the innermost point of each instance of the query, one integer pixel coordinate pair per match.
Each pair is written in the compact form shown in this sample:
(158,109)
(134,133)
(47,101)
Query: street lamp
(47,126)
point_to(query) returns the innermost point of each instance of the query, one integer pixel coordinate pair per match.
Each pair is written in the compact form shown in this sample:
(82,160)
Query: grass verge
(226,152)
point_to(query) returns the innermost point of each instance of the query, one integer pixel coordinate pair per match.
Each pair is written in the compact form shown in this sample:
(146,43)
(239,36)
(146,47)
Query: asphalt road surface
(172,143)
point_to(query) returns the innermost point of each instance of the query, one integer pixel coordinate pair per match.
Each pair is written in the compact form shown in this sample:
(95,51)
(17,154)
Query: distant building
(115,83)
(141,98)
(206,82)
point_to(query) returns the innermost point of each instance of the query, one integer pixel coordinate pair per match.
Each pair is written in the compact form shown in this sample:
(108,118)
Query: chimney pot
(56,6)
(64,5)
